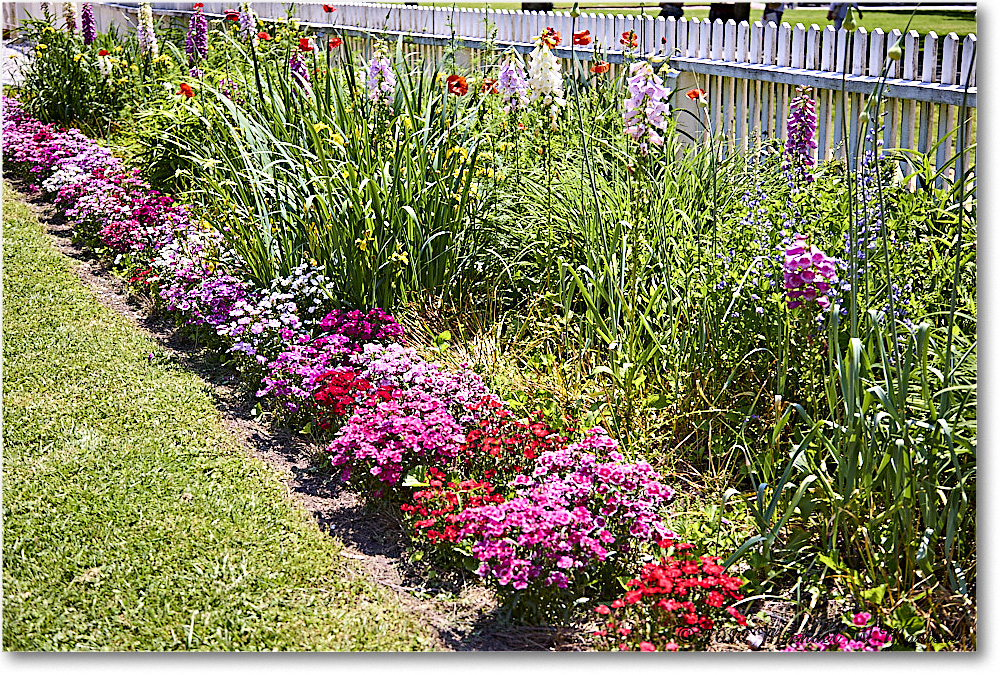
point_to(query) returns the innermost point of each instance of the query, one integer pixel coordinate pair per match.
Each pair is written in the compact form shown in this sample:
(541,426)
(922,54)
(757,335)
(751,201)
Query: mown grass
(132,519)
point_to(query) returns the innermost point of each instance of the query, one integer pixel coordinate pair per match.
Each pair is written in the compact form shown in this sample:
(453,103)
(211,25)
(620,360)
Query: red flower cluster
(338,394)
(551,37)
(435,510)
(500,445)
(457,85)
(674,603)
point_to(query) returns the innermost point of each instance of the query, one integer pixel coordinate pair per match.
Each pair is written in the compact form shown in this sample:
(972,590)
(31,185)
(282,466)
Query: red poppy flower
(103,52)
(630,39)
(232,15)
(695,94)
(329,8)
(199,5)
(600,67)
(490,86)
(186,90)
(263,36)
(551,37)
(457,85)
(305,45)
(334,43)
(582,38)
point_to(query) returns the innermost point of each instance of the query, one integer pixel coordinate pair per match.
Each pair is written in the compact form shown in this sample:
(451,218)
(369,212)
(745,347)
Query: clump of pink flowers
(577,506)
(402,429)
(867,638)
(810,274)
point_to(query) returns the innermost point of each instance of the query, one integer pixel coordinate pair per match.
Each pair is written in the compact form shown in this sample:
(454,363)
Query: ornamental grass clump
(674,604)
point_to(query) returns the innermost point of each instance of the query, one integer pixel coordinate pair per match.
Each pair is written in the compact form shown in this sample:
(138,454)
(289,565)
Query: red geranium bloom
(695,94)
(600,67)
(329,8)
(264,36)
(334,43)
(490,86)
(305,45)
(630,39)
(457,85)
(186,90)
(103,52)
(582,38)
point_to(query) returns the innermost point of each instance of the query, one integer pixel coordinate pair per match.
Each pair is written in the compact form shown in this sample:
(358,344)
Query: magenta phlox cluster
(578,504)
(810,274)
(375,325)
(872,639)
(390,437)
(398,366)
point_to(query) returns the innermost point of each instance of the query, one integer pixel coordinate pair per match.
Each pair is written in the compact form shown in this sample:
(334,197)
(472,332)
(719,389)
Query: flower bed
(565,515)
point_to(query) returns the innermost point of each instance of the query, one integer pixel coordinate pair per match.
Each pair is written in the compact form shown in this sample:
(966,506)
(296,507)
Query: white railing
(750,71)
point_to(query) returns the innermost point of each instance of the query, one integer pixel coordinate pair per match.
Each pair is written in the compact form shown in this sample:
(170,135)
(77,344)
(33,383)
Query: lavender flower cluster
(646,111)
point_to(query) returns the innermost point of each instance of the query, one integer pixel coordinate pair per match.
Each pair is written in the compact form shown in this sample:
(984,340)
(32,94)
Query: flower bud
(849,23)
(895,53)
(864,117)
(575,12)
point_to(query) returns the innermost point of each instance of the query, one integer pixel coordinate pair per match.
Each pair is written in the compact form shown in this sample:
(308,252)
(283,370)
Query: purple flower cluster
(410,429)
(810,274)
(646,110)
(196,41)
(801,133)
(40,149)
(578,504)
(300,73)
(88,24)
(381,82)
(293,376)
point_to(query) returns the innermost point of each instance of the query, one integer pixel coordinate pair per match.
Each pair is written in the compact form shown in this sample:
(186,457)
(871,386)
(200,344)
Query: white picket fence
(750,71)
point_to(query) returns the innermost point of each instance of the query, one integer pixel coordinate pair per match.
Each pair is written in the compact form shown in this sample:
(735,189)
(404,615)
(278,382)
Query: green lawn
(924,20)
(132,520)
